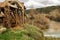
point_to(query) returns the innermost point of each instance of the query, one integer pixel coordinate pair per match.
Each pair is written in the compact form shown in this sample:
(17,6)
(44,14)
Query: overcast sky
(39,3)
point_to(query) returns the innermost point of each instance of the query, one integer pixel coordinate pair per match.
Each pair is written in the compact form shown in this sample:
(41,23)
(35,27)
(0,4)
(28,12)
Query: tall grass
(29,32)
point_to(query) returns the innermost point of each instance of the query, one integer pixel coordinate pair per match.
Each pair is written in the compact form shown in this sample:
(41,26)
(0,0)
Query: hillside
(45,9)
(41,17)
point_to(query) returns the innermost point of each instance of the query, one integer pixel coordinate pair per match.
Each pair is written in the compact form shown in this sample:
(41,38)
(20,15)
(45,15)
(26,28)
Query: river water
(54,29)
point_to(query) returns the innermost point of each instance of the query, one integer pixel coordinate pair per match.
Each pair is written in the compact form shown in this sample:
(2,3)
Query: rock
(2,30)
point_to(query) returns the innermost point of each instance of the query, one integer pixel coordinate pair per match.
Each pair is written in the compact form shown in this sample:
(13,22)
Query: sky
(39,3)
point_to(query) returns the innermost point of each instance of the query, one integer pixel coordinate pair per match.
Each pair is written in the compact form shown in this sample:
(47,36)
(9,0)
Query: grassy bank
(29,32)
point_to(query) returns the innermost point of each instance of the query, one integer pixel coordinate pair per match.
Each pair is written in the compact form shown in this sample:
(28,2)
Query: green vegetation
(46,9)
(30,32)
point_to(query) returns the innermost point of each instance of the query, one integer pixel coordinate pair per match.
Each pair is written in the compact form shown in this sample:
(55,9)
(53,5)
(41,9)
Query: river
(54,29)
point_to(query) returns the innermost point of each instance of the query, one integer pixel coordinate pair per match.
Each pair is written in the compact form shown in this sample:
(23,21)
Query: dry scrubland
(41,17)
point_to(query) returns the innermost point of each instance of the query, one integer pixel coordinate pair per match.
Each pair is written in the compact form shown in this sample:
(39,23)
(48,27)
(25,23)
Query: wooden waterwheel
(13,14)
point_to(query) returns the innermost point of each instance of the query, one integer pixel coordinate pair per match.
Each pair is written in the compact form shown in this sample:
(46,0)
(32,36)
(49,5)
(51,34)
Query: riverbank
(30,32)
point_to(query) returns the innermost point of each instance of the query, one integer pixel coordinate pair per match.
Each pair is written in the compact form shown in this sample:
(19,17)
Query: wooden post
(23,14)
(7,16)
(21,4)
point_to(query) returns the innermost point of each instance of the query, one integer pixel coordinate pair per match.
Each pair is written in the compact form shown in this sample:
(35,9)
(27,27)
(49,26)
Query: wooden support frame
(7,19)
